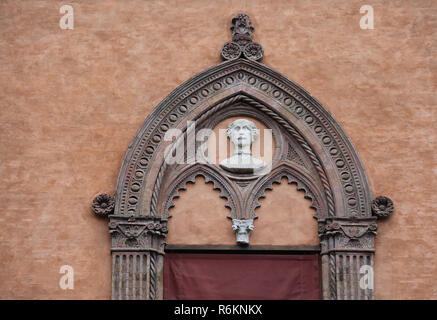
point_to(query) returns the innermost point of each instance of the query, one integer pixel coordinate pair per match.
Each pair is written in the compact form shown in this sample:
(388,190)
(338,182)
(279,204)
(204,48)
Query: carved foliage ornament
(312,151)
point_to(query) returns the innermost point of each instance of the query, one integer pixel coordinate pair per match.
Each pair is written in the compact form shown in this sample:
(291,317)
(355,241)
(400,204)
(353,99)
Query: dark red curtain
(241,276)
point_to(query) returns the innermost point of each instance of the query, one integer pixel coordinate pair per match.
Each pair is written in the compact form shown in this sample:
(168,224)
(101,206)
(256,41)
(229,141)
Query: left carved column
(137,252)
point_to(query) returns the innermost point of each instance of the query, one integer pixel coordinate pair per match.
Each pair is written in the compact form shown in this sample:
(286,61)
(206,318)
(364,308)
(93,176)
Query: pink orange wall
(72,100)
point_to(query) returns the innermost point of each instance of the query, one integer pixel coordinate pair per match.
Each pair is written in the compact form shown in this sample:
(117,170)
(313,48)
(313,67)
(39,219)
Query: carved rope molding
(312,151)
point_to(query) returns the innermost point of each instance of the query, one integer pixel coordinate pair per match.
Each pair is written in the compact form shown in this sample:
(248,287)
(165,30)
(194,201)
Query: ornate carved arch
(311,149)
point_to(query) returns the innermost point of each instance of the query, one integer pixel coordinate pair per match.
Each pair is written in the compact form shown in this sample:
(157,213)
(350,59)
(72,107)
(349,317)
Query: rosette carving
(230,51)
(382,207)
(253,51)
(103,205)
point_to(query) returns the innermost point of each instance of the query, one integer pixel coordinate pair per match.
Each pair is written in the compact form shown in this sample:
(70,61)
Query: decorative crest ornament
(241,44)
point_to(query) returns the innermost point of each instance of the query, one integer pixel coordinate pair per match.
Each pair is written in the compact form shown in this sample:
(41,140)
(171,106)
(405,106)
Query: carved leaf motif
(354,232)
(131,231)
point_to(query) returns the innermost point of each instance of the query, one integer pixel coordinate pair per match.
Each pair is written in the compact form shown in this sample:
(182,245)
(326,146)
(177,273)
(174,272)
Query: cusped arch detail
(294,175)
(210,174)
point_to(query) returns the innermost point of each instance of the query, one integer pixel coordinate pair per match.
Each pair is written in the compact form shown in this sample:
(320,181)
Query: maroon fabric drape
(241,276)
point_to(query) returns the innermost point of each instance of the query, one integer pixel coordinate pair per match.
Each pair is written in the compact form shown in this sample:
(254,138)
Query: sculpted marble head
(242,132)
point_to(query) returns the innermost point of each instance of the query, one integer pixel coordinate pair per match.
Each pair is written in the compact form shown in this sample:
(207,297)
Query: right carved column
(347,250)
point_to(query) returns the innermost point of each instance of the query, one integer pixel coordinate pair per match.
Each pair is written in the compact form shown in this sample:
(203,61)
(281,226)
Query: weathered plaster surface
(71,101)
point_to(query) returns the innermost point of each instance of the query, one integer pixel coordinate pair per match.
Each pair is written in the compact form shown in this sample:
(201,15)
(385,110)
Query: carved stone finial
(382,207)
(242,230)
(242,45)
(103,205)
(242,29)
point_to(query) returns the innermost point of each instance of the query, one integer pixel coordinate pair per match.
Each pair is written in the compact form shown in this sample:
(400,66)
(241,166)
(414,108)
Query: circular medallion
(230,51)
(253,51)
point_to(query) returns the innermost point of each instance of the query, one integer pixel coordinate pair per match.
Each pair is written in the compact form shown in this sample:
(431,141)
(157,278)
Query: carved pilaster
(137,257)
(346,246)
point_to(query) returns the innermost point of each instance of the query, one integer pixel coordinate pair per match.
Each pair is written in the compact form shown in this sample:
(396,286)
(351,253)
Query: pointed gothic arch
(329,170)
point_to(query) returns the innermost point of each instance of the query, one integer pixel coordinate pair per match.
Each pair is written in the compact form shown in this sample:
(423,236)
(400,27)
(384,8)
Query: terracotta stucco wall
(71,101)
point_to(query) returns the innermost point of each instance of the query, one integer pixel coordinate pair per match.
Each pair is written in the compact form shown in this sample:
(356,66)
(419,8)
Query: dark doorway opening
(230,273)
